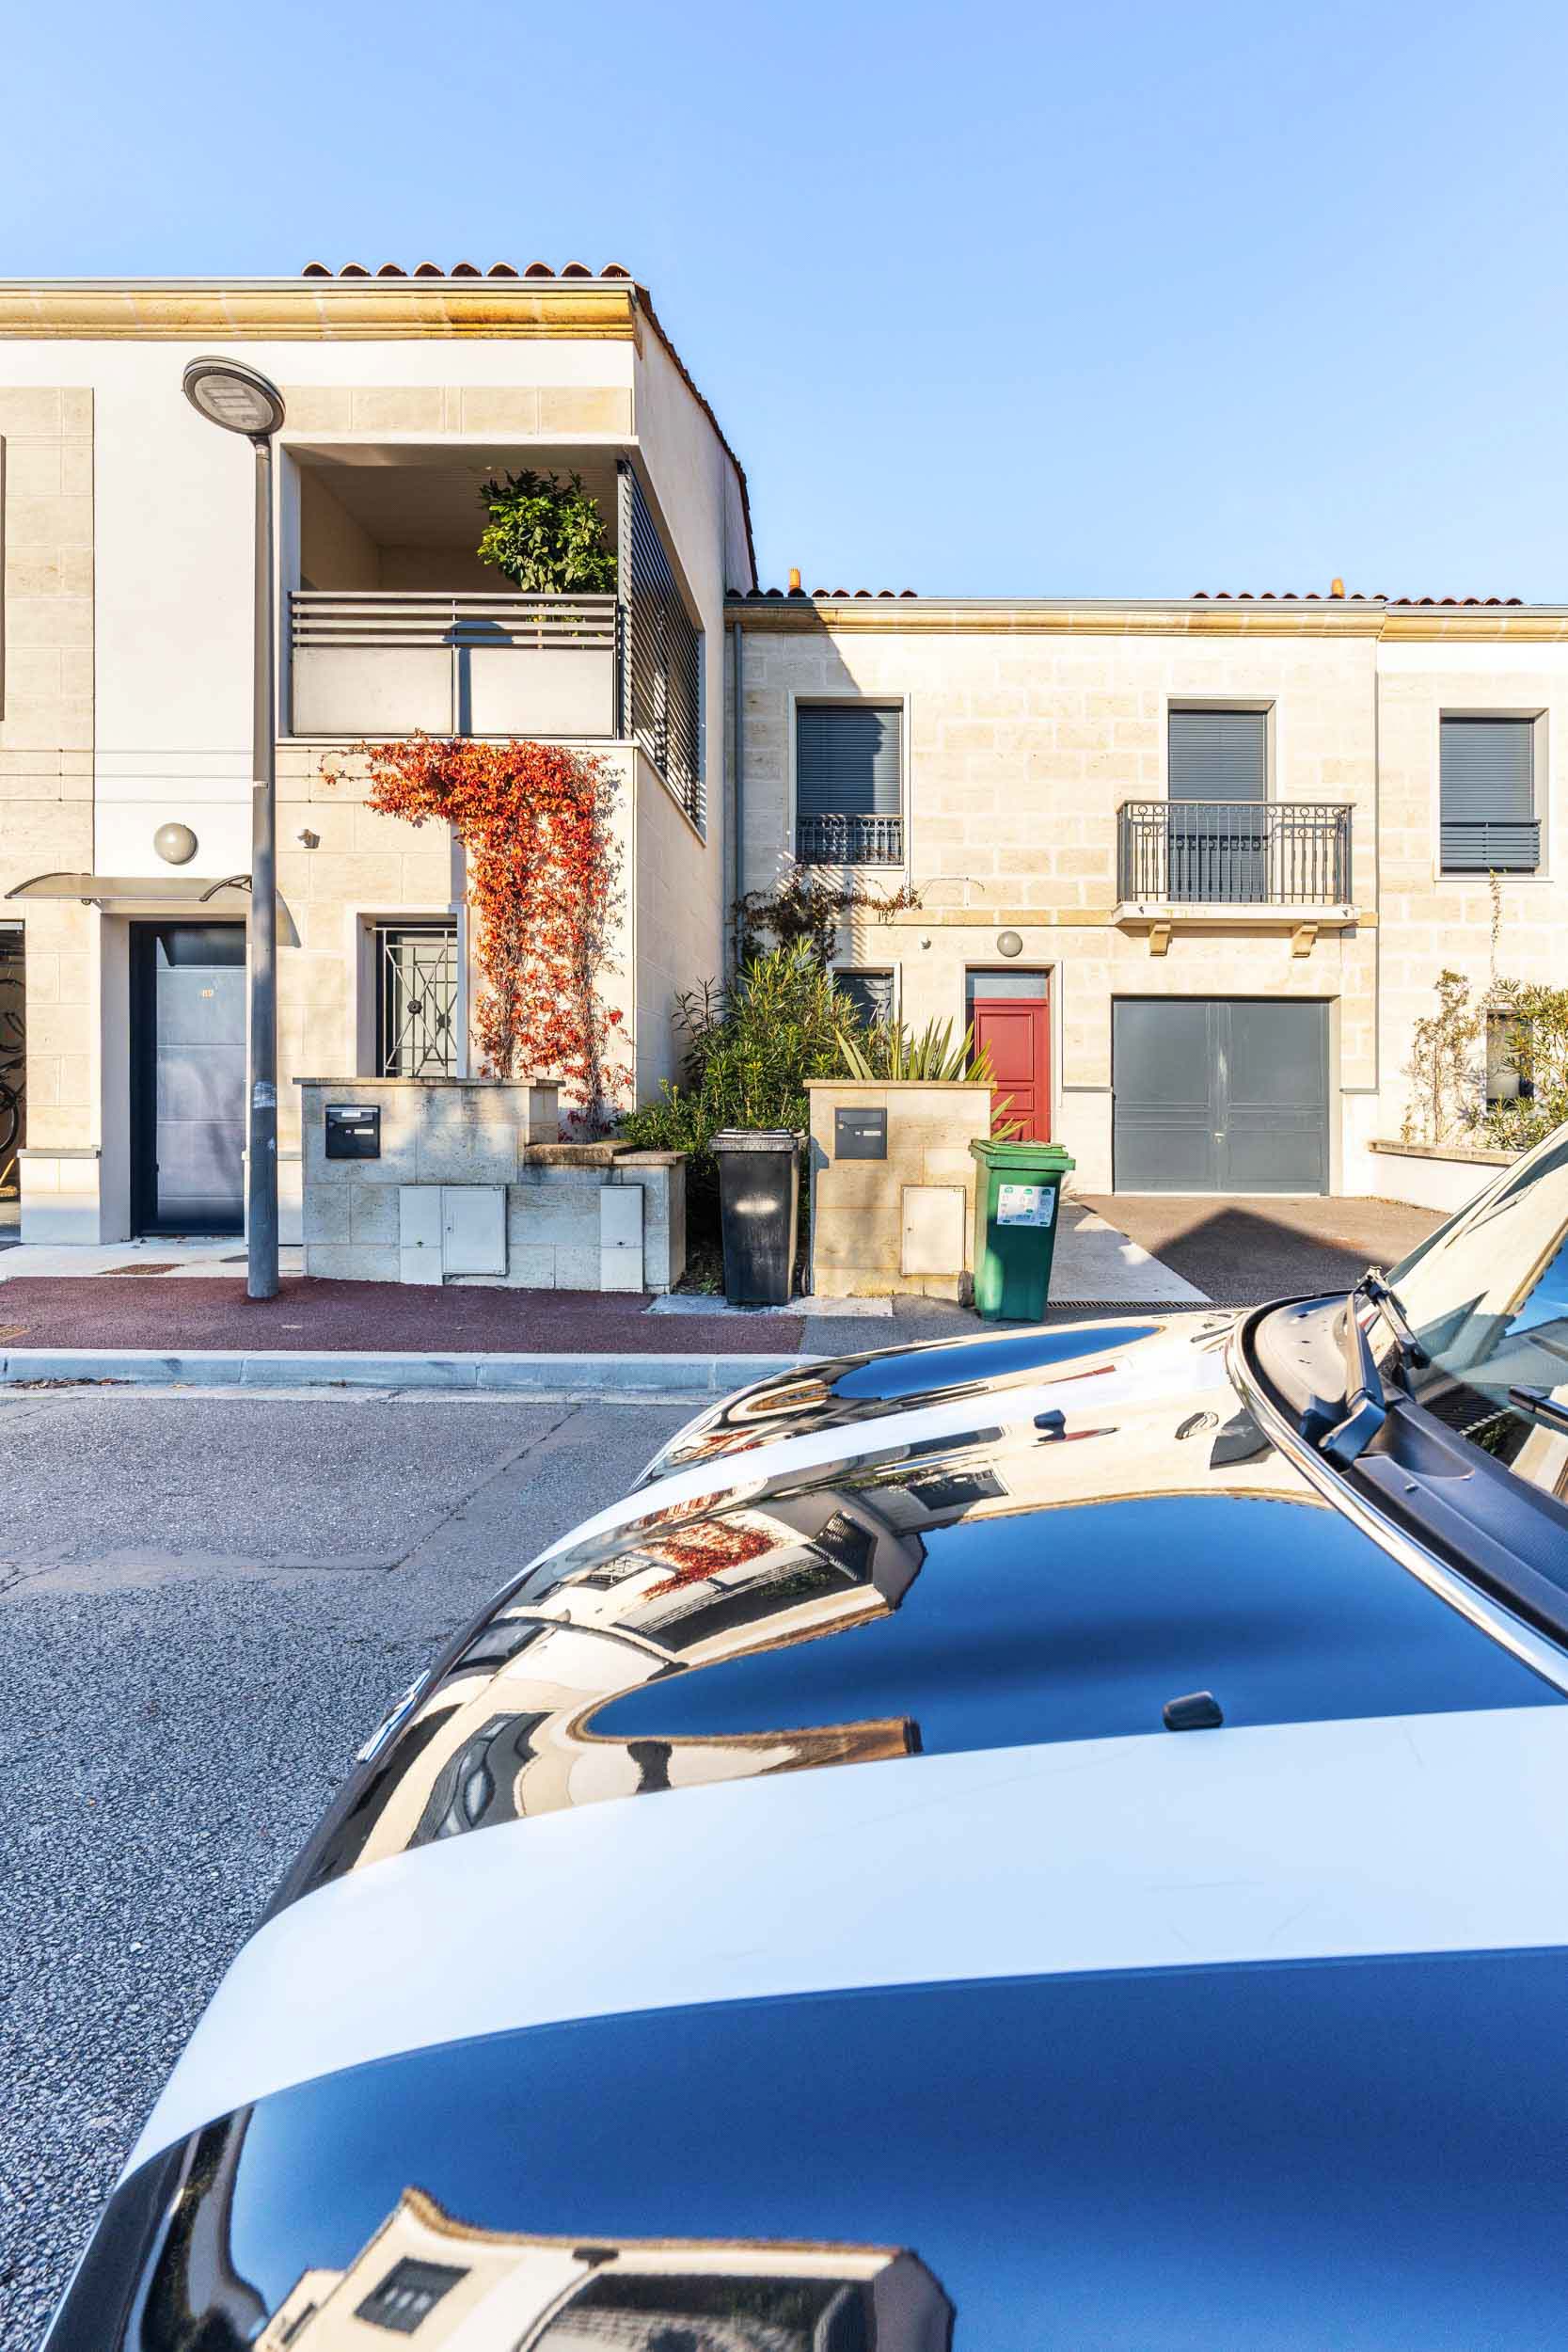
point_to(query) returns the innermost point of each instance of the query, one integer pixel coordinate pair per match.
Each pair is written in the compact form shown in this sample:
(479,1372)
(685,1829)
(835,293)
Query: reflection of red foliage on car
(703,1550)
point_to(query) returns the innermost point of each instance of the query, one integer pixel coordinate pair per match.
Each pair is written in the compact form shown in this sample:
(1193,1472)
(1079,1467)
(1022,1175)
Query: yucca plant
(890,1051)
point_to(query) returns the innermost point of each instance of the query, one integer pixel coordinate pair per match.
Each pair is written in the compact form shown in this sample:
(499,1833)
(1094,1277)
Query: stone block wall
(859,1207)
(443,1132)
(1019,743)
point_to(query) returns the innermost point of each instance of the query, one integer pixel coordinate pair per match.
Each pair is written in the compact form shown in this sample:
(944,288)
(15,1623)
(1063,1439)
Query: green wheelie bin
(1018,1189)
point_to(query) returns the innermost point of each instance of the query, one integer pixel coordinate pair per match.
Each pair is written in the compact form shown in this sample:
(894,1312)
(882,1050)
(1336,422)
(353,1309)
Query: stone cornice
(317,310)
(931,616)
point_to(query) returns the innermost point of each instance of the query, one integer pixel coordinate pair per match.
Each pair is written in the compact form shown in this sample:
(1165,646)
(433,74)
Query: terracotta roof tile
(1289,595)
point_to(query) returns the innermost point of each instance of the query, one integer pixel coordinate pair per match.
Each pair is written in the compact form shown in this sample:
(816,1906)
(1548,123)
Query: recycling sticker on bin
(1025,1204)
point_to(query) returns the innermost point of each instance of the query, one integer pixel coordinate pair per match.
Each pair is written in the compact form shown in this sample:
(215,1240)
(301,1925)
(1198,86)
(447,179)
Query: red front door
(1018,1033)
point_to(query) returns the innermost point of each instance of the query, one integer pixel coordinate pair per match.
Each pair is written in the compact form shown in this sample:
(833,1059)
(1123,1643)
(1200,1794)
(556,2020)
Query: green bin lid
(1046,1159)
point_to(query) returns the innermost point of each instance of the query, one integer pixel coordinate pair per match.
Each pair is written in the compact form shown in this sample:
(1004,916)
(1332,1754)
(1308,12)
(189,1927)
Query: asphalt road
(206,1604)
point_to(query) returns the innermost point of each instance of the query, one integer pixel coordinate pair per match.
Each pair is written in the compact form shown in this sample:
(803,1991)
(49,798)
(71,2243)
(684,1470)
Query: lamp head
(240,399)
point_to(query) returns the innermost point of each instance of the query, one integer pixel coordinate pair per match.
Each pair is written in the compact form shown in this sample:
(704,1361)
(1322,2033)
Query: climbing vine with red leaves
(536,824)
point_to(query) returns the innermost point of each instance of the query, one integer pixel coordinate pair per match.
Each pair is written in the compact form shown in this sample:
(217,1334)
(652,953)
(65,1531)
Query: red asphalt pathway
(147,1311)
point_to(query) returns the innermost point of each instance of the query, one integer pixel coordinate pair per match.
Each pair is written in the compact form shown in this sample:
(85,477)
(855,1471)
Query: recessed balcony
(1229,860)
(396,628)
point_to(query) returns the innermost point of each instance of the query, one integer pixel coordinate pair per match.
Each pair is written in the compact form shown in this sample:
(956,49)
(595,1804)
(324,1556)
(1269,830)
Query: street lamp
(241,400)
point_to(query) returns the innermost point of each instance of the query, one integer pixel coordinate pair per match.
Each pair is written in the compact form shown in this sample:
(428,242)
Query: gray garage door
(1219,1094)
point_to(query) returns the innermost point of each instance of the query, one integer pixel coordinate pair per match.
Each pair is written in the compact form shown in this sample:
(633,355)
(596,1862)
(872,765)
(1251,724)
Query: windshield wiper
(1375,1289)
(1366,1399)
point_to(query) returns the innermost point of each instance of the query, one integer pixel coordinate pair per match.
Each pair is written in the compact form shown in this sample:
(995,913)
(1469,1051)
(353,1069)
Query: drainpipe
(738,695)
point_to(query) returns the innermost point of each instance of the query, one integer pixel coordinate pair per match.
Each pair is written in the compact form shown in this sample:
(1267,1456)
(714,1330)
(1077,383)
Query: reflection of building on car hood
(775,1572)
(502,2291)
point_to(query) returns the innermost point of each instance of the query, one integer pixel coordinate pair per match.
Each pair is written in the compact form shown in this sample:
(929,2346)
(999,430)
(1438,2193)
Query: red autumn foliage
(544,866)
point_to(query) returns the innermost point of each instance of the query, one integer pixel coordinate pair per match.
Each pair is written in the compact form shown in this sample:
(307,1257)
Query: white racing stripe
(1406,1833)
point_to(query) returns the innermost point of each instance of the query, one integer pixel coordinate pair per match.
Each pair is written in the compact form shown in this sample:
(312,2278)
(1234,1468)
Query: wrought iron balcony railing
(1234,853)
(1487,846)
(849,840)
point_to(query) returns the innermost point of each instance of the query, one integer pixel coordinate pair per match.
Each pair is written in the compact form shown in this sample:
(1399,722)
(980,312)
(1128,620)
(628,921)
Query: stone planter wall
(439,1135)
(1435,1176)
(902,1223)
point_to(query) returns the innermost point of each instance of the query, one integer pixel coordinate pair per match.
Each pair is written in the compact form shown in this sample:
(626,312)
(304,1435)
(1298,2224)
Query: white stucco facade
(126,675)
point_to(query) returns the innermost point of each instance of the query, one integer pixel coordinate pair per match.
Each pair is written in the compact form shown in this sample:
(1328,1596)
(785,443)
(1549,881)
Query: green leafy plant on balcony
(546,536)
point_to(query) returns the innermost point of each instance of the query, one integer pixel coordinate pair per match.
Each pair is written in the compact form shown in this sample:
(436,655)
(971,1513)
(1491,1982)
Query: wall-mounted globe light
(175,844)
(1008,943)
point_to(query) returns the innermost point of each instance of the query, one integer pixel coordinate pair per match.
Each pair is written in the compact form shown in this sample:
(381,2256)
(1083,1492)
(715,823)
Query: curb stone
(630,1376)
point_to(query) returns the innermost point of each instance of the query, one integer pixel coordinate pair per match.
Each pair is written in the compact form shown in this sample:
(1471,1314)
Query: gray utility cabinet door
(1219,1094)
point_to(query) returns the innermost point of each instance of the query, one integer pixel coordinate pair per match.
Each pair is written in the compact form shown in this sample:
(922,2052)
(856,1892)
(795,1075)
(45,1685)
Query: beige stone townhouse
(1192,867)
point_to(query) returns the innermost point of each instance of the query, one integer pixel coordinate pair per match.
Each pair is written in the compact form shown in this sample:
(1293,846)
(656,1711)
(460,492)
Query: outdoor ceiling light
(240,398)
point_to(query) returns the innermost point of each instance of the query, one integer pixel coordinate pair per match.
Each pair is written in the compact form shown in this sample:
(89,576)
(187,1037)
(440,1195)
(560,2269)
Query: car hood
(1050,1559)
(944,1997)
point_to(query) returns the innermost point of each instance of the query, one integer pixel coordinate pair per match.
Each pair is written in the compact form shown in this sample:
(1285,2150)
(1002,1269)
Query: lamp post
(241,400)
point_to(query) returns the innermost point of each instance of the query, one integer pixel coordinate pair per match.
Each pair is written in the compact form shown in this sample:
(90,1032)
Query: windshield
(1486,1297)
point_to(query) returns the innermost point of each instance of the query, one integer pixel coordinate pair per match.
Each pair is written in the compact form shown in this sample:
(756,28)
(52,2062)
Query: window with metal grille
(407,2294)
(871,992)
(1489,824)
(660,655)
(849,783)
(416,1003)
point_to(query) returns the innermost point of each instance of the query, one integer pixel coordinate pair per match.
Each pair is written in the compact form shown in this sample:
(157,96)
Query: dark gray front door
(1219,1094)
(187,1077)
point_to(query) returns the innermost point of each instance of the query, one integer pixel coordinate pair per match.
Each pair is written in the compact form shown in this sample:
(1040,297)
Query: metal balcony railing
(1234,853)
(364,662)
(849,840)
(1488,845)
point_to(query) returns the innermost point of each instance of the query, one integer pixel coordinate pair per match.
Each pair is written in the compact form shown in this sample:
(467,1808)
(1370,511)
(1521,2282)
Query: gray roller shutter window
(847,760)
(1216,847)
(871,992)
(1488,796)
(1219,755)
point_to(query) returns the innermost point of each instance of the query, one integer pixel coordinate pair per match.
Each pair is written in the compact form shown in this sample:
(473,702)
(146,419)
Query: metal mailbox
(353,1131)
(860,1135)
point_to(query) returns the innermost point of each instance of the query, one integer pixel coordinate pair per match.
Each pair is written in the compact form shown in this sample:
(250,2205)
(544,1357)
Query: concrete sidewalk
(162,1313)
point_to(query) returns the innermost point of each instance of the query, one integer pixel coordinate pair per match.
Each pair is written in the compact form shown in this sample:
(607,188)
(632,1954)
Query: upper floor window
(407,2294)
(1219,756)
(1489,822)
(849,783)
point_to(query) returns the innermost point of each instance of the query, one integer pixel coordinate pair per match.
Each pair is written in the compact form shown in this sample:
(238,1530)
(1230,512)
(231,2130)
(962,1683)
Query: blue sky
(993,300)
